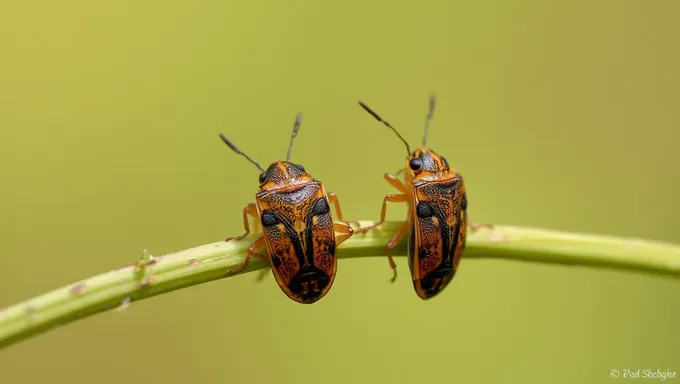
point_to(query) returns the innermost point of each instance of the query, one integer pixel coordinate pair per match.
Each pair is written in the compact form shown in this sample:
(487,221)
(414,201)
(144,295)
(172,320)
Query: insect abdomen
(437,231)
(301,241)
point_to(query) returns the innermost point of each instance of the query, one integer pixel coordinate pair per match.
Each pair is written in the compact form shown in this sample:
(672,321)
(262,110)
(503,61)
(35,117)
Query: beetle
(298,231)
(437,214)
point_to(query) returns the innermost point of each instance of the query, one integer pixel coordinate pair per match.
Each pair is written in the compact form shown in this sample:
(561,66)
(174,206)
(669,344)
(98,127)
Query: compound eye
(300,167)
(415,163)
(263,177)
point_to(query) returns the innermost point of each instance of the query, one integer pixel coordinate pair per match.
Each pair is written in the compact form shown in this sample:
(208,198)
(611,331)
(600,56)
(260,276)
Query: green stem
(153,276)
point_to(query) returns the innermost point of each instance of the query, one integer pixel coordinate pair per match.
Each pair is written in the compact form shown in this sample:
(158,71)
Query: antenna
(364,106)
(296,127)
(430,112)
(233,148)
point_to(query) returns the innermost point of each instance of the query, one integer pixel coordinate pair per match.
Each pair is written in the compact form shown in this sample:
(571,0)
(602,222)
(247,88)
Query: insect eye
(415,164)
(300,167)
(263,177)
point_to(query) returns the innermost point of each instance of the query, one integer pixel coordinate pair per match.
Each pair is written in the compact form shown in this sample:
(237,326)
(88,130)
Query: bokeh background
(561,115)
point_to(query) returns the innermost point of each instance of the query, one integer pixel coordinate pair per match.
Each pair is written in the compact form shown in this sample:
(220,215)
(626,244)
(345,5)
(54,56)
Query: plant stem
(155,275)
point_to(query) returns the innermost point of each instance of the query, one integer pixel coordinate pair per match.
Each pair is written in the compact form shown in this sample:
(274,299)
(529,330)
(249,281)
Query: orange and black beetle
(298,230)
(437,215)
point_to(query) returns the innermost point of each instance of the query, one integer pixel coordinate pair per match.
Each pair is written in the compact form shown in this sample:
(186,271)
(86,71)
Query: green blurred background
(561,115)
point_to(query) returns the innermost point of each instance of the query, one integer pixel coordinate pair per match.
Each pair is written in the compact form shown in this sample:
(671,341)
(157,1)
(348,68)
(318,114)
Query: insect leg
(333,199)
(252,251)
(251,210)
(396,183)
(393,198)
(345,230)
(403,230)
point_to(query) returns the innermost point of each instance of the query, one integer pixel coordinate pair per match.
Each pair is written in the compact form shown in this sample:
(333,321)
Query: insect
(437,214)
(298,231)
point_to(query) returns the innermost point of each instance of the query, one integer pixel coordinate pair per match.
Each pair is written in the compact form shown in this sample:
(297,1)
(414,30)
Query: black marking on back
(447,191)
(444,188)
(435,281)
(276,260)
(311,272)
(269,218)
(307,272)
(424,210)
(290,231)
(444,233)
(320,207)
